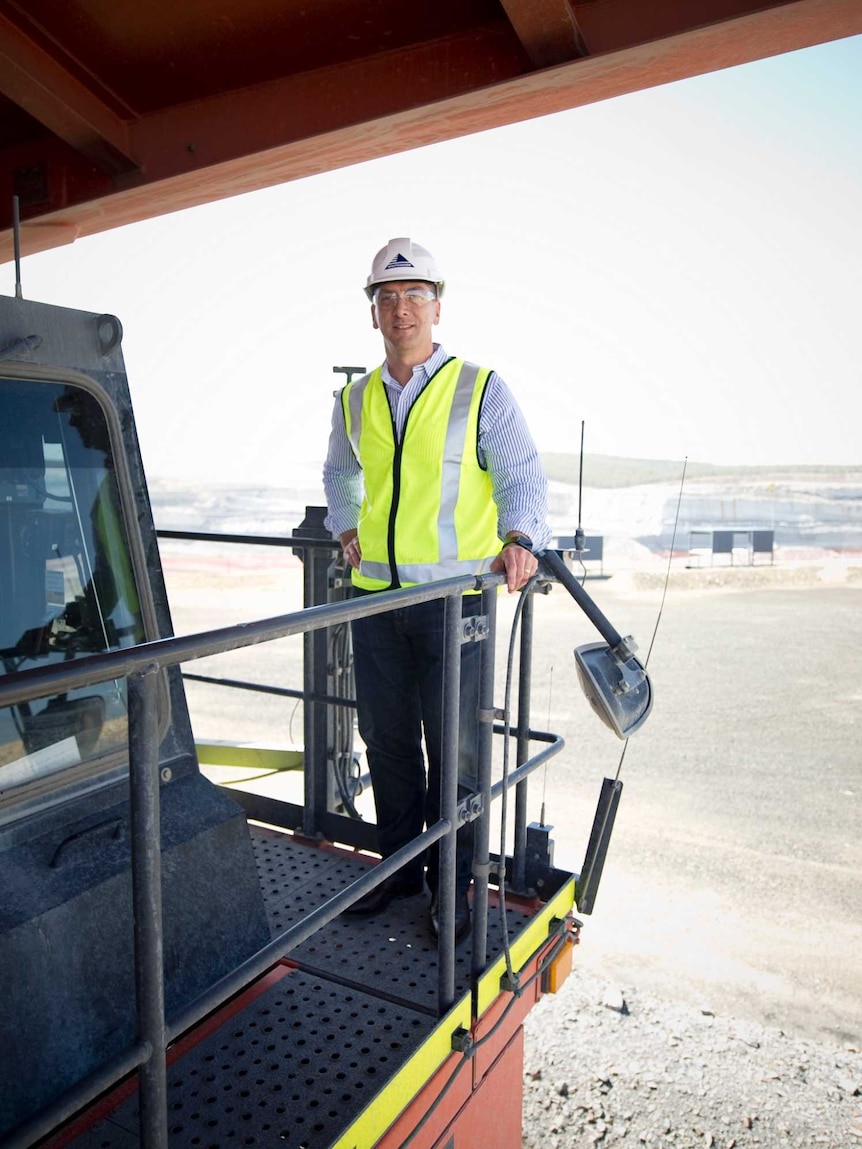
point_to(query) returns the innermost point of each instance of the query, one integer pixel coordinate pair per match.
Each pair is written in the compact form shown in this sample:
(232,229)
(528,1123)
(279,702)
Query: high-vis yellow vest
(428,510)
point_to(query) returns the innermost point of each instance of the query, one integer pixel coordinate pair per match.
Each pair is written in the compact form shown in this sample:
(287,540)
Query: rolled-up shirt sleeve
(507,449)
(342,478)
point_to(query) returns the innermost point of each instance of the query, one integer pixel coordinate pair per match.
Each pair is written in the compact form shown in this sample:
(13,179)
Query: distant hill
(610,471)
(624,499)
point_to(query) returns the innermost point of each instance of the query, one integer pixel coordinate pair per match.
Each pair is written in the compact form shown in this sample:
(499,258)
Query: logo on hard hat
(399,261)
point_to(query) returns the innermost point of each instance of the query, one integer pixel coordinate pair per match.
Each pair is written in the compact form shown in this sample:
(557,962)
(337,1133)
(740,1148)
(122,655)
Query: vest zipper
(396,475)
(396,496)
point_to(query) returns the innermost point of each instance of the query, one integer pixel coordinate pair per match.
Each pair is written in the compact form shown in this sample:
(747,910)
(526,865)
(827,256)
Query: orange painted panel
(493,1117)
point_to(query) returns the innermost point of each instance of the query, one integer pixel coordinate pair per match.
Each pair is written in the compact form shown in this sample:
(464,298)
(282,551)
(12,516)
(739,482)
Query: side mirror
(617,688)
(614,681)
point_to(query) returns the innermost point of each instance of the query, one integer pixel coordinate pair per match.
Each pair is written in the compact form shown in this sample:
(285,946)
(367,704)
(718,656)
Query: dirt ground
(734,878)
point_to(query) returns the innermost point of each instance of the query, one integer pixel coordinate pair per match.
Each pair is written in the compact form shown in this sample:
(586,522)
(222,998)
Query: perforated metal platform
(393,953)
(292,1071)
(301,1056)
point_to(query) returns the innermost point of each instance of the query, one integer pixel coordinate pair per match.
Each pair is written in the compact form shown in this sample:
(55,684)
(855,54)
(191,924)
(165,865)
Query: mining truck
(178,967)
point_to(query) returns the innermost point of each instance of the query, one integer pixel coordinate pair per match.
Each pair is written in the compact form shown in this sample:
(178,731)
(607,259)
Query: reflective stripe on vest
(440,443)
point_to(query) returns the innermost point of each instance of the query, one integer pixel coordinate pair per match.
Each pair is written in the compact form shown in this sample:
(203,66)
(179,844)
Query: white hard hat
(403,259)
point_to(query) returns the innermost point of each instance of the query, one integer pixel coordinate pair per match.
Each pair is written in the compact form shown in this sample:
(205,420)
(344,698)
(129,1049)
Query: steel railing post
(519,855)
(314,686)
(482,832)
(449,800)
(147,902)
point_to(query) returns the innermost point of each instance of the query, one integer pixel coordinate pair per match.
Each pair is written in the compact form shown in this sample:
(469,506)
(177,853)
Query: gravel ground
(612,1066)
(716,999)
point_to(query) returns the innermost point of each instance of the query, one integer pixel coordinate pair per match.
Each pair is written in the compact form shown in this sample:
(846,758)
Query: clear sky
(681,268)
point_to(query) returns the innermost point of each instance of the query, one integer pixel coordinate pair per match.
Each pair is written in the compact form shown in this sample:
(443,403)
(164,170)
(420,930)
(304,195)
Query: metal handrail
(27,685)
(140,664)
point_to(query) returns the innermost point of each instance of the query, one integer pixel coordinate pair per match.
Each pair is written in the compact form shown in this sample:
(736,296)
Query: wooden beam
(45,90)
(547,29)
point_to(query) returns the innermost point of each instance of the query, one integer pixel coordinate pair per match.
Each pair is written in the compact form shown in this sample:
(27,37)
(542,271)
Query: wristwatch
(520,541)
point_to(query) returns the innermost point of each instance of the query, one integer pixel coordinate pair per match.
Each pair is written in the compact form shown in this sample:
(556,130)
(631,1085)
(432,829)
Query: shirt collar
(423,371)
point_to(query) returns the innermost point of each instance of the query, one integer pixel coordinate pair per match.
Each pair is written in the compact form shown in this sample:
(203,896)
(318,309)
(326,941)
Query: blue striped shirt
(506,449)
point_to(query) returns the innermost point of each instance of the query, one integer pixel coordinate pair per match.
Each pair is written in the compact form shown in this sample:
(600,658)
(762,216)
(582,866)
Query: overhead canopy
(116,112)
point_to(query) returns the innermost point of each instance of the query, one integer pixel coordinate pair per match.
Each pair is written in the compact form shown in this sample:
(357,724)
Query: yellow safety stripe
(524,946)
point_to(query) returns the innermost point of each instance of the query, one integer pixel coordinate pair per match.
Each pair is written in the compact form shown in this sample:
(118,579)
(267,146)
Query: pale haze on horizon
(680,268)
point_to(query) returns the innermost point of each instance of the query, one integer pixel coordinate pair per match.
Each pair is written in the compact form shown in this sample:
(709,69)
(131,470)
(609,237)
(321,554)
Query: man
(431,472)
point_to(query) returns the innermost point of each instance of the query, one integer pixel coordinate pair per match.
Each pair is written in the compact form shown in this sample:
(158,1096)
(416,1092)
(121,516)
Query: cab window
(67,586)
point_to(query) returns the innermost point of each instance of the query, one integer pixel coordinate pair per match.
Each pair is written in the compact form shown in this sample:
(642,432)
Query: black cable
(557,948)
(504,798)
(342,740)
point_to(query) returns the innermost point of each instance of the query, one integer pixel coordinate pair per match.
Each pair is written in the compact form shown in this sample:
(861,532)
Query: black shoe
(389,889)
(462,916)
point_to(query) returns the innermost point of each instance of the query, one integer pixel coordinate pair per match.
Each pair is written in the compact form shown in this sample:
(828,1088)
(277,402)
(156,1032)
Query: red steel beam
(43,88)
(547,29)
(289,129)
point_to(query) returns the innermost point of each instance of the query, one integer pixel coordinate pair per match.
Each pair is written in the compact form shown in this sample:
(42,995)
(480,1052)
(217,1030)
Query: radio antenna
(669,560)
(579,532)
(16,236)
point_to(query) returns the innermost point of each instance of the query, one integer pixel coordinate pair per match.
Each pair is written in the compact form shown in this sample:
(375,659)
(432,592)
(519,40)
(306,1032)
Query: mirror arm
(622,648)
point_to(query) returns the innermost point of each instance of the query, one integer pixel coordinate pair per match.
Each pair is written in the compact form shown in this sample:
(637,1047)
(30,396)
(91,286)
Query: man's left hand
(518,563)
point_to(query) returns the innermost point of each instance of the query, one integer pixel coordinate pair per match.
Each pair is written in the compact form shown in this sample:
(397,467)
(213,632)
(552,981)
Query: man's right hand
(351,548)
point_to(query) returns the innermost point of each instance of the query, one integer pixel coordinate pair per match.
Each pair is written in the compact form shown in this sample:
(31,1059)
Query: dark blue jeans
(398,666)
